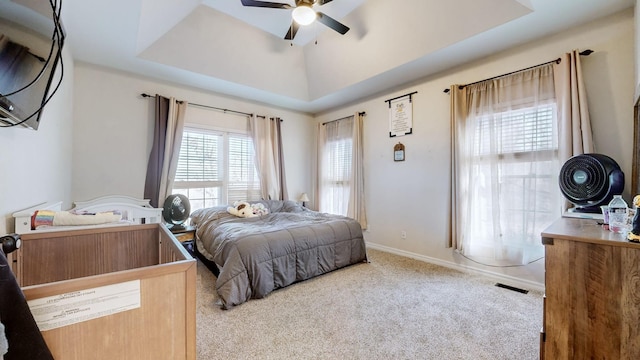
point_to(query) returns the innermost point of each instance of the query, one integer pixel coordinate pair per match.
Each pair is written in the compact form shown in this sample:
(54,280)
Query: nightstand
(186,236)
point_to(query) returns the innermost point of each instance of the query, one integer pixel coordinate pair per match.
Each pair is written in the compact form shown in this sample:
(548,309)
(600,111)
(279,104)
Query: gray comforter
(260,254)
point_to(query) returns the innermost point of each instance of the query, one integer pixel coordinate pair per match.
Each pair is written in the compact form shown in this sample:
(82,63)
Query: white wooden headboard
(134,211)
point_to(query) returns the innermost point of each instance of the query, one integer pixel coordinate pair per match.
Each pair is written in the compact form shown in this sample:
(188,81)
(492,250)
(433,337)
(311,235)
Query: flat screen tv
(31,40)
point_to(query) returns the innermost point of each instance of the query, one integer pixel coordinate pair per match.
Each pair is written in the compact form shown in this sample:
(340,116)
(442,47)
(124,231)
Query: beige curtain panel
(341,168)
(506,162)
(482,163)
(357,208)
(574,125)
(267,141)
(173,141)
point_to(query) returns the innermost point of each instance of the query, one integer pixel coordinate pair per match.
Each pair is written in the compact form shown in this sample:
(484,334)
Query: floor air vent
(523,291)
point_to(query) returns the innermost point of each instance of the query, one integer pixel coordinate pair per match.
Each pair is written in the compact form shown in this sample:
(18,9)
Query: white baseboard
(508,280)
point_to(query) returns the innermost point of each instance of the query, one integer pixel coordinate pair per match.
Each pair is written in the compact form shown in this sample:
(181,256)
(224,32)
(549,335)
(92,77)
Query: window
(505,166)
(338,174)
(216,168)
(515,181)
(336,165)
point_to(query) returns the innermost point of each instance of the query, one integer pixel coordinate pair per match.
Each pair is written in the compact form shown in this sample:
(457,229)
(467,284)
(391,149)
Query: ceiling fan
(303,14)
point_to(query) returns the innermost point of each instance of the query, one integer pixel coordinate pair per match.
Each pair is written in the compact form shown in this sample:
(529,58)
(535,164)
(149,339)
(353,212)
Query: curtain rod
(346,117)
(557,61)
(206,106)
(401,96)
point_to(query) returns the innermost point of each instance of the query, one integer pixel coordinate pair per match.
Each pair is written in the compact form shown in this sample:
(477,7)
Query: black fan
(176,211)
(301,5)
(590,180)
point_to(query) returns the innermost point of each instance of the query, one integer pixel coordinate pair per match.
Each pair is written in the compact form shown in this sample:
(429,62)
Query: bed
(290,243)
(124,289)
(131,210)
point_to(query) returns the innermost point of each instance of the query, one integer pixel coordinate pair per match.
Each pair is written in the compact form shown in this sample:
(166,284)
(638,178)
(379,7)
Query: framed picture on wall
(398,152)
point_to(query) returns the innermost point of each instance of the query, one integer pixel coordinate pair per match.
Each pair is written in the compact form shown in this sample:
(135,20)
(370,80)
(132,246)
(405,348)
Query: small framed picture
(398,152)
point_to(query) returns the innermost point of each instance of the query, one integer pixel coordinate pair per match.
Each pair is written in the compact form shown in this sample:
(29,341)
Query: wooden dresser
(592,293)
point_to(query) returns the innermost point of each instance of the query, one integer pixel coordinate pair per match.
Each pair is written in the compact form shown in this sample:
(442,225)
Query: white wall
(36,165)
(114,127)
(104,149)
(413,195)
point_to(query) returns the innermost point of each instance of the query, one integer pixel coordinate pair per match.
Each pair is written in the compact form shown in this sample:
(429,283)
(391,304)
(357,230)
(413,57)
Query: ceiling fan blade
(332,23)
(293,29)
(322,2)
(265,4)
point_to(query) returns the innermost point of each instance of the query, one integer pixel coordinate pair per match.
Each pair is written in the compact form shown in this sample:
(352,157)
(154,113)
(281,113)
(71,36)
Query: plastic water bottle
(618,211)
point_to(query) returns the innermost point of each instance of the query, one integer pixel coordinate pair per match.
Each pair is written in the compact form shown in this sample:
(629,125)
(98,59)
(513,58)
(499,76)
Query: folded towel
(43,218)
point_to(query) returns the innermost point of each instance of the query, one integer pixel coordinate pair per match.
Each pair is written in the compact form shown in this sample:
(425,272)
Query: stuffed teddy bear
(259,209)
(241,209)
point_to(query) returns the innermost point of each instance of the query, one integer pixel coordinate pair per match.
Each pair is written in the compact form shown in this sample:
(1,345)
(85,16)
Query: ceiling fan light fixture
(303,15)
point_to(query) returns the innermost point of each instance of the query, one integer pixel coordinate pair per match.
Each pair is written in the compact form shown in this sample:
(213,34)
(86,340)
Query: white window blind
(199,156)
(216,168)
(339,162)
(244,183)
(517,132)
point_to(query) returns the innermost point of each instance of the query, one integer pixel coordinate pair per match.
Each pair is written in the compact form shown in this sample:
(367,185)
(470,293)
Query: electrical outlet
(403,234)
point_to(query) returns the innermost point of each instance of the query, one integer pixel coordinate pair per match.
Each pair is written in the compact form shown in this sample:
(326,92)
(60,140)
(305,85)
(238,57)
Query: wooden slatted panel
(170,248)
(592,306)
(73,254)
(167,287)
(557,267)
(630,304)
(134,334)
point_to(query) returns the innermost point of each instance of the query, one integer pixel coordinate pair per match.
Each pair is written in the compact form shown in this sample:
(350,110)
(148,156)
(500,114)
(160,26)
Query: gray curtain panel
(156,158)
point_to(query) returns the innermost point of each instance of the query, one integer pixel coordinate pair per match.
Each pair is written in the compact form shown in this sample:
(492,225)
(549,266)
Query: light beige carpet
(390,308)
